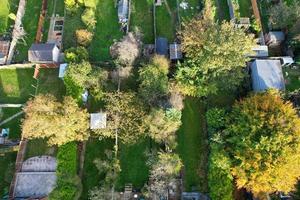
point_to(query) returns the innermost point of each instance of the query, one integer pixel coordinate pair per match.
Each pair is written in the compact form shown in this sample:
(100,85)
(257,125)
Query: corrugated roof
(161,47)
(267,74)
(123,8)
(175,51)
(42,47)
(41,52)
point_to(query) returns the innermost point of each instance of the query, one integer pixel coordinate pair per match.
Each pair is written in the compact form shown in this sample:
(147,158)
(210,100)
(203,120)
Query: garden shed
(98,120)
(4,48)
(62,70)
(36,179)
(161,46)
(275,37)
(44,53)
(260,51)
(175,51)
(123,7)
(267,74)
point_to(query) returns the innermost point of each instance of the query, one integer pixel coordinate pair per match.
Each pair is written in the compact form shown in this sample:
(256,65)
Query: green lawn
(193,145)
(39,147)
(133,165)
(7,7)
(16,85)
(222,10)
(292,78)
(13,125)
(166,23)
(72,23)
(91,177)
(107,30)
(142,19)
(30,23)
(245,8)
(6,171)
(194,7)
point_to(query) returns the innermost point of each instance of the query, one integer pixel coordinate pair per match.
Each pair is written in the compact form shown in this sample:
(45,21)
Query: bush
(76,55)
(215,118)
(83,37)
(90,3)
(88,18)
(67,179)
(220,180)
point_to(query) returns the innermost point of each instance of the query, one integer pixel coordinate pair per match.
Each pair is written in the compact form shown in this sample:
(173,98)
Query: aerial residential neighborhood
(150,99)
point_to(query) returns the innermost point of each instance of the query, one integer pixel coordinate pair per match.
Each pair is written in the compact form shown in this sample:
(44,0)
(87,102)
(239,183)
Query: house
(275,38)
(161,46)
(260,51)
(123,7)
(44,53)
(98,120)
(267,74)
(175,51)
(4,48)
(62,70)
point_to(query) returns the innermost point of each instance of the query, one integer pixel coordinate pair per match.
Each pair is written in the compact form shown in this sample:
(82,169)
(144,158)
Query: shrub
(83,37)
(76,55)
(88,18)
(220,180)
(90,3)
(215,118)
(67,179)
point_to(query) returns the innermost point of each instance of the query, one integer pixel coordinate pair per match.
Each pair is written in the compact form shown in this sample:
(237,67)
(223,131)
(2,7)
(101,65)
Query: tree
(83,76)
(76,55)
(214,58)
(163,172)
(58,122)
(163,125)
(262,139)
(154,80)
(88,18)
(84,37)
(127,50)
(71,5)
(125,115)
(283,15)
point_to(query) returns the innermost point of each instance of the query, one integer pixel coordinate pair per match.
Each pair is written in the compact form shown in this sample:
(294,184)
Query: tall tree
(154,80)
(58,122)
(263,142)
(215,56)
(125,116)
(162,126)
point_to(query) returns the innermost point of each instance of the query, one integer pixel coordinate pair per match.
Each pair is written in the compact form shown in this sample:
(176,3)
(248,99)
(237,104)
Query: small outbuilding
(123,7)
(275,38)
(44,53)
(260,51)
(62,70)
(98,120)
(161,46)
(175,51)
(4,48)
(267,74)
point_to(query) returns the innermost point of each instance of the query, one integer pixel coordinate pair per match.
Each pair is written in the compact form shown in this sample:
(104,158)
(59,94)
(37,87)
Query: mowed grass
(4,11)
(106,32)
(91,177)
(16,85)
(166,22)
(245,8)
(194,8)
(142,19)
(7,167)
(30,23)
(193,145)
(15,124)
(292,78)
(133,165)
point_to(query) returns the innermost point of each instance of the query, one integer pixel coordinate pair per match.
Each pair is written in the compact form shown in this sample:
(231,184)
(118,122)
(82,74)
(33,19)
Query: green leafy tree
(215,57)
(283,15)
(162,126)
(58,122)
(84,37)
(76,55)
(125,116)
(88,18)
(154,80)
(262,139)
